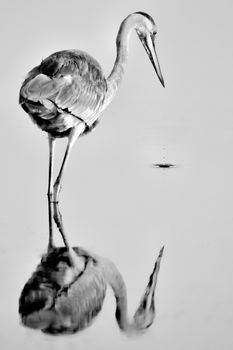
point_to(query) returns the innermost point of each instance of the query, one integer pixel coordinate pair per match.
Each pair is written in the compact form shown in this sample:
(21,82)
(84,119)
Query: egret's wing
(71,81)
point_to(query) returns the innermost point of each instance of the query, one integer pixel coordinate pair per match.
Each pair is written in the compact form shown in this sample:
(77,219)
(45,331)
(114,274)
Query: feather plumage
(66,88)
(50,303)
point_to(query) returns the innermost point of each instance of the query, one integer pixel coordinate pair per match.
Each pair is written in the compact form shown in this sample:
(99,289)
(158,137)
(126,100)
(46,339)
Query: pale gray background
(113,201)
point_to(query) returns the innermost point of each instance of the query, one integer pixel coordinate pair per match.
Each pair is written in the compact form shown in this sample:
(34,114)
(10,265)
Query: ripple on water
(163,165)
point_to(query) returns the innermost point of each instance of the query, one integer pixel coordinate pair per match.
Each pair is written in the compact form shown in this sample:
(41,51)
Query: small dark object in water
(163,165)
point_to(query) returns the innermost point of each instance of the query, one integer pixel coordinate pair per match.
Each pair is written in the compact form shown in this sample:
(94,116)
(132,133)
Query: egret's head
(147,30)
(145,24)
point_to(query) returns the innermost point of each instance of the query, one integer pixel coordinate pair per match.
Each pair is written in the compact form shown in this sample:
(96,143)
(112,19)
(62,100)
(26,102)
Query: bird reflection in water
(61,299)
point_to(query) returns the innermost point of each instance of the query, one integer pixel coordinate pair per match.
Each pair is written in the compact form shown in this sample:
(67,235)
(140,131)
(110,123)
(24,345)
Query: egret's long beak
(149,45)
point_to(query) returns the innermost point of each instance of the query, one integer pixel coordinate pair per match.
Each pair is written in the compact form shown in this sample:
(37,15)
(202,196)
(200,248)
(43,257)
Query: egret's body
(66,93)
(55,300)
(66,90)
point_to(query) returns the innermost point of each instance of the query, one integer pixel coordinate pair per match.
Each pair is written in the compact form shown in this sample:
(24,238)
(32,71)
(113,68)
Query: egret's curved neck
(122,43)
(115,280)
(144,314)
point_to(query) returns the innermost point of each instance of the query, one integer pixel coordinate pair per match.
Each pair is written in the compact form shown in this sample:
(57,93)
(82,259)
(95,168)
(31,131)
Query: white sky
(113,201)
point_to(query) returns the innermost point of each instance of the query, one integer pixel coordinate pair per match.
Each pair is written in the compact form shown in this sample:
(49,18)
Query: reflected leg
(75,261)
(50,189)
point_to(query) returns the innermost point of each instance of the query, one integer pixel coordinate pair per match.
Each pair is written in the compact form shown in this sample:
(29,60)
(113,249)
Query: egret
(56,301)
(66,93)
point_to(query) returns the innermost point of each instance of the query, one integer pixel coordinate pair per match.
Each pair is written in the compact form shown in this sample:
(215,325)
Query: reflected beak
(149,45)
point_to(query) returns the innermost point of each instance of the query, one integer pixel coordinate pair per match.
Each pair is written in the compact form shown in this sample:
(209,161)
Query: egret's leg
(75,133)
(57,186)
(50,189)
